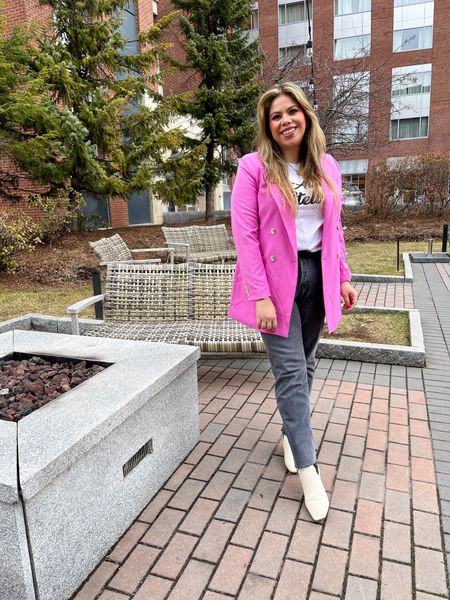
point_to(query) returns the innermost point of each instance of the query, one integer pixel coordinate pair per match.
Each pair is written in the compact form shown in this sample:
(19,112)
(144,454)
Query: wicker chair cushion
(111,249)
(210,336)
(211,257)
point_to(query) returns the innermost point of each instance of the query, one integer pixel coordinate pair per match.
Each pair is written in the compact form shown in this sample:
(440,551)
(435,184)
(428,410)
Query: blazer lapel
(288,220)
(329,207)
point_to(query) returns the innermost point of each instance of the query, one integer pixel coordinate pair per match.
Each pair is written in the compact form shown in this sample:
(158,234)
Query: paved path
(396,295)
(230,522)
(444,271)
(431,292)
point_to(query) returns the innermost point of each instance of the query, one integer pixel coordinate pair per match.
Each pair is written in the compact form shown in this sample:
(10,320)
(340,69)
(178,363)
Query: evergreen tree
(113,92)
(217,48)
(88,111)
(36,136)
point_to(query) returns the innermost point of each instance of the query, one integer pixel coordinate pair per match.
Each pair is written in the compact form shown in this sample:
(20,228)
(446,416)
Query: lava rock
(32,382)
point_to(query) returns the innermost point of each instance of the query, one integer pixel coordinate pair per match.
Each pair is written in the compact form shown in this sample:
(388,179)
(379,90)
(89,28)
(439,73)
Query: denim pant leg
(293,359)
(309,300)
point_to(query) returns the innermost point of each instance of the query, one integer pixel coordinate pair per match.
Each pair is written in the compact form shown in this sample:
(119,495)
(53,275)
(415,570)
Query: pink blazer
(265,238)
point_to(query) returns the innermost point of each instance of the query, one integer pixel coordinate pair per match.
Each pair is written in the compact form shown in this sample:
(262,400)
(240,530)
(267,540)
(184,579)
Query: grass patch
(373,327)
(379,258)
(49,301)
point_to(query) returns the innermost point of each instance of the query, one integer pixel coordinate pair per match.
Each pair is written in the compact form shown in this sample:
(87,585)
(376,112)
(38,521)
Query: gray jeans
(293,358)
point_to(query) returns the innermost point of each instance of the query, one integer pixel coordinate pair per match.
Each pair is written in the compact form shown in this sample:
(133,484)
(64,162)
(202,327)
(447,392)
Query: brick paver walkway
(230,522)
(396,295)
(444,271)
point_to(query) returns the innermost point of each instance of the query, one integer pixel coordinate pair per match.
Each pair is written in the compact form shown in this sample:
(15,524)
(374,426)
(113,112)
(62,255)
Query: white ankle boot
(316,499)
(288,456)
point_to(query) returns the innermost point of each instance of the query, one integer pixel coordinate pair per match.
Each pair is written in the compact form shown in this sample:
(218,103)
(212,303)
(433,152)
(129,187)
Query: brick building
(393,55)
(390,56)
(140,207)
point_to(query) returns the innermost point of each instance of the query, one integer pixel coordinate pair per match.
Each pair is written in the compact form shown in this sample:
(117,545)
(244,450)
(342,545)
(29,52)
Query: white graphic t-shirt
(309,220)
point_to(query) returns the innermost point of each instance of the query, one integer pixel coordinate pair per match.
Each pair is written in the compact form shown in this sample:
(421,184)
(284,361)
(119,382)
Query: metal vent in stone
(133,462)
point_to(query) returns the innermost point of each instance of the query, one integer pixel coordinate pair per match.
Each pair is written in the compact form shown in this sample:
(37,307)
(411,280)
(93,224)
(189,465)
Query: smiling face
(287,124)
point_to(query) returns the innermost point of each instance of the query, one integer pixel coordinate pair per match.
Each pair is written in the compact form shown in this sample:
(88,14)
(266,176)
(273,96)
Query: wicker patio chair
(215,239)
(111,249)
(181,240)
(178,304)
(200,243)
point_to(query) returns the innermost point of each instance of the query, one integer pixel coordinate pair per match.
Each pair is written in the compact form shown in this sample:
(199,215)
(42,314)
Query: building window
(350,131)
(408,84)
(411,86)
(416,38)
(303,84)
(347,7)
(358,179)
(409,2)
(128,28)
(351,47)
(293,55)
(293,12)
(403,129)
(351,108)
(254,19)
(354,173)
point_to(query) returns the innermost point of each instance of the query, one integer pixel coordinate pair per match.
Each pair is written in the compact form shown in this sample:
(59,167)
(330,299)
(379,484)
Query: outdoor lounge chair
(178,304)
(200,243)
(113,249)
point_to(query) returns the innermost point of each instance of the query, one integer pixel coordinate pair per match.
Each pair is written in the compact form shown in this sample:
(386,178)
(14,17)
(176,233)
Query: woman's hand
(266,316)
(349,295)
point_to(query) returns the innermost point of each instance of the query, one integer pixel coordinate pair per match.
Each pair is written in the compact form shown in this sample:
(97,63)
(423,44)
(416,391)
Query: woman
(291,271)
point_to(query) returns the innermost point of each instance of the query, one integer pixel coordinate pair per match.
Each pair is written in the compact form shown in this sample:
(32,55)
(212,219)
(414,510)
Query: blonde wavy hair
(311,149)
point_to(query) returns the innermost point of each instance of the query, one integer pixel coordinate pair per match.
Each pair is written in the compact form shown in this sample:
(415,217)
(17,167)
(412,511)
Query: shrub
(17,233)
(415,184)
(60,213)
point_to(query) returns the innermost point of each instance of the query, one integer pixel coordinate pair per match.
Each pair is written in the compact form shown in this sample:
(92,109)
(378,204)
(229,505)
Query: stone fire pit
(75,473)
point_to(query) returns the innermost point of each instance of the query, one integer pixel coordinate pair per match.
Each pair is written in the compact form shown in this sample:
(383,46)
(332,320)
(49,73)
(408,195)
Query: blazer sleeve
(245,227)
(345,273)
